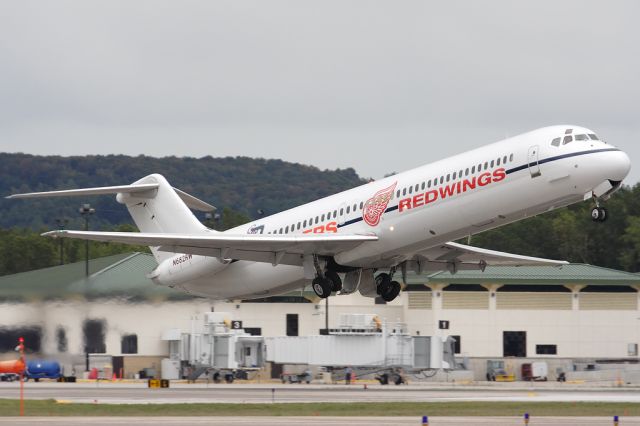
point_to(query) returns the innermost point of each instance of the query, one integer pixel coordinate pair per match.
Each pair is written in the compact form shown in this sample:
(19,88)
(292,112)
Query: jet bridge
(215,345)
(364,340)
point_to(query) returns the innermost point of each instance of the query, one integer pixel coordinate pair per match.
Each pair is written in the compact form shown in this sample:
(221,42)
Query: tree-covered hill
(241,184)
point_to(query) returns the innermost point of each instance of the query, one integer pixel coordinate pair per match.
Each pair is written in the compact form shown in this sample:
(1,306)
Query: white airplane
(402,222)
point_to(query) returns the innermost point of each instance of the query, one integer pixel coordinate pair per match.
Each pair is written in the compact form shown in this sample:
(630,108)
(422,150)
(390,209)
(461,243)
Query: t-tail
(154,205)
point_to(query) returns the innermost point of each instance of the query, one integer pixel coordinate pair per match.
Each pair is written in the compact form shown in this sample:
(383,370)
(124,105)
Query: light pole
(61,224)
(86,211)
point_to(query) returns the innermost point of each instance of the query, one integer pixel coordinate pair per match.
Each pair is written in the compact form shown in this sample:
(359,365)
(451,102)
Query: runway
(131,393)
(312,421)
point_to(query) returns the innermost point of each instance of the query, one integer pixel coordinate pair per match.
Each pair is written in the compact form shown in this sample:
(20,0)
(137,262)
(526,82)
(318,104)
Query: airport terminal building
(575,311)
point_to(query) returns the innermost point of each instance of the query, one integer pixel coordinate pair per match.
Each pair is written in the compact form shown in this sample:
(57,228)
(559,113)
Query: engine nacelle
(183,268)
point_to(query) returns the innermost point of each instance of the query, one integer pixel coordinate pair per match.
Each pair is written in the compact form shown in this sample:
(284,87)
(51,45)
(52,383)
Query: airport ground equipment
(367,344)
(42,369)
(216,346)
(497,373)
(535,371)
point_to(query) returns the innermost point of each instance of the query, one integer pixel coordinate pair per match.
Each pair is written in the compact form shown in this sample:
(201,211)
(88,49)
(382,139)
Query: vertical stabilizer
(161,210)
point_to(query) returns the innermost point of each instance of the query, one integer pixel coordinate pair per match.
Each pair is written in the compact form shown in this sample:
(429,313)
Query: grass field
(10,407)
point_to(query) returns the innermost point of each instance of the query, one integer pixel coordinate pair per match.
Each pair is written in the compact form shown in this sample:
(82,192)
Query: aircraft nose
(621,164)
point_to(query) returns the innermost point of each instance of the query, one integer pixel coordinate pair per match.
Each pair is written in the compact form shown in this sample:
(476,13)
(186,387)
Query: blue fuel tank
(43,369)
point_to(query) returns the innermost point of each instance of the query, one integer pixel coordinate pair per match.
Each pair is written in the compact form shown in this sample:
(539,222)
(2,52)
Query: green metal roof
(575,273)
(118,276)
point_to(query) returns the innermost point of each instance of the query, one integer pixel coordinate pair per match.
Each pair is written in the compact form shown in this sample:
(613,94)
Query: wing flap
(453,257)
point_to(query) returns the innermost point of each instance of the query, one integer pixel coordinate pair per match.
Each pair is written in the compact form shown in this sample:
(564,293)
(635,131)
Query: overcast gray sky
(378,86)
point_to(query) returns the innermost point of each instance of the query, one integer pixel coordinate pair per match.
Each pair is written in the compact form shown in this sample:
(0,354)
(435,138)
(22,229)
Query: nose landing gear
(599,214)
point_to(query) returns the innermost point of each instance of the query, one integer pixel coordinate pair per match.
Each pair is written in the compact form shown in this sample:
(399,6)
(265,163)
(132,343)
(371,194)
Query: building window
(546,349)
(94,337)
(457,344)
(61,339)
(129,344)
(254,331)
(9,338)
(514,343)
(292,324)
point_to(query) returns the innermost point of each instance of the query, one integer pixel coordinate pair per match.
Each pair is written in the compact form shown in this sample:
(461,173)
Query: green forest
(242,188)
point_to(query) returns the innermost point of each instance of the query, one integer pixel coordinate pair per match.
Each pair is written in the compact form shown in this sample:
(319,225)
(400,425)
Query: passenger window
(582,137)
(322,218)
(341,211)
(410,189)
(348,209)
(460,174)
(317,220)
(298,226)
(429,184)
(466,172)
(362,203)
(398,193)
(504,160)
(423,185)
(498,162)
(404,191)
(593,137)
(335,214)
(486,165)
(280,231)
(511,157)
(286,229)
(417,187)
(448,177)
(567,139)
(355,207)
(441,179)
(473,169)
(492,163)
(454,175)
(304,224)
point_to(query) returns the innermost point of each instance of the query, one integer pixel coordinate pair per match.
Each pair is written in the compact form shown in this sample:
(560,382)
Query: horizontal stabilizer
(139,190)
(90,191)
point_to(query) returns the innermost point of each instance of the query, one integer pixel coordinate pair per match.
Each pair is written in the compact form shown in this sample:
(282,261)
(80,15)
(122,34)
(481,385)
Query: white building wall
(578,333)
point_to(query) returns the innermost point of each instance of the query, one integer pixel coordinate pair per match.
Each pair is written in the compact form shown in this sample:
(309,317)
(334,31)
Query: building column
(492,288)
(436,304)
(575,295)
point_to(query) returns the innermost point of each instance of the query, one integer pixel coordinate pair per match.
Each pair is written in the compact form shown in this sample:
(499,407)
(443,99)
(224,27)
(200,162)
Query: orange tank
(16,367)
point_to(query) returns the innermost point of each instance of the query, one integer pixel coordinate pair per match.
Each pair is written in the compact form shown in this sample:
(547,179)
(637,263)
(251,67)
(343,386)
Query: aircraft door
(532,160)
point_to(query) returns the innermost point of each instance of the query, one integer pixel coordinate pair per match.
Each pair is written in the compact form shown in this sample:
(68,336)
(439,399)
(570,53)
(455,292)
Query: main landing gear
(386,287)
(325,282)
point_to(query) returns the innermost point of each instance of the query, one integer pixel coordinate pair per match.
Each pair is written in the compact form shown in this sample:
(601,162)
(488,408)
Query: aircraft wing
(275,249)
(454,257)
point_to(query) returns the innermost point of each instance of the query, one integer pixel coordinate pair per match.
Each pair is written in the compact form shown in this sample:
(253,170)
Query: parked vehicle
(42,369)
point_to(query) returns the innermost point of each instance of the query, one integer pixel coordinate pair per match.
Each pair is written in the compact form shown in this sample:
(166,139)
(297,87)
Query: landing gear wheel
(599,214)
(383,282)
(391,292)
(322,287)
(336,282)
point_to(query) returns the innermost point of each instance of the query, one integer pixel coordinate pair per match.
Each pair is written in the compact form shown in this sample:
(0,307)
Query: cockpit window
(582,138)
(593,137)
(567,139)
(555,142)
